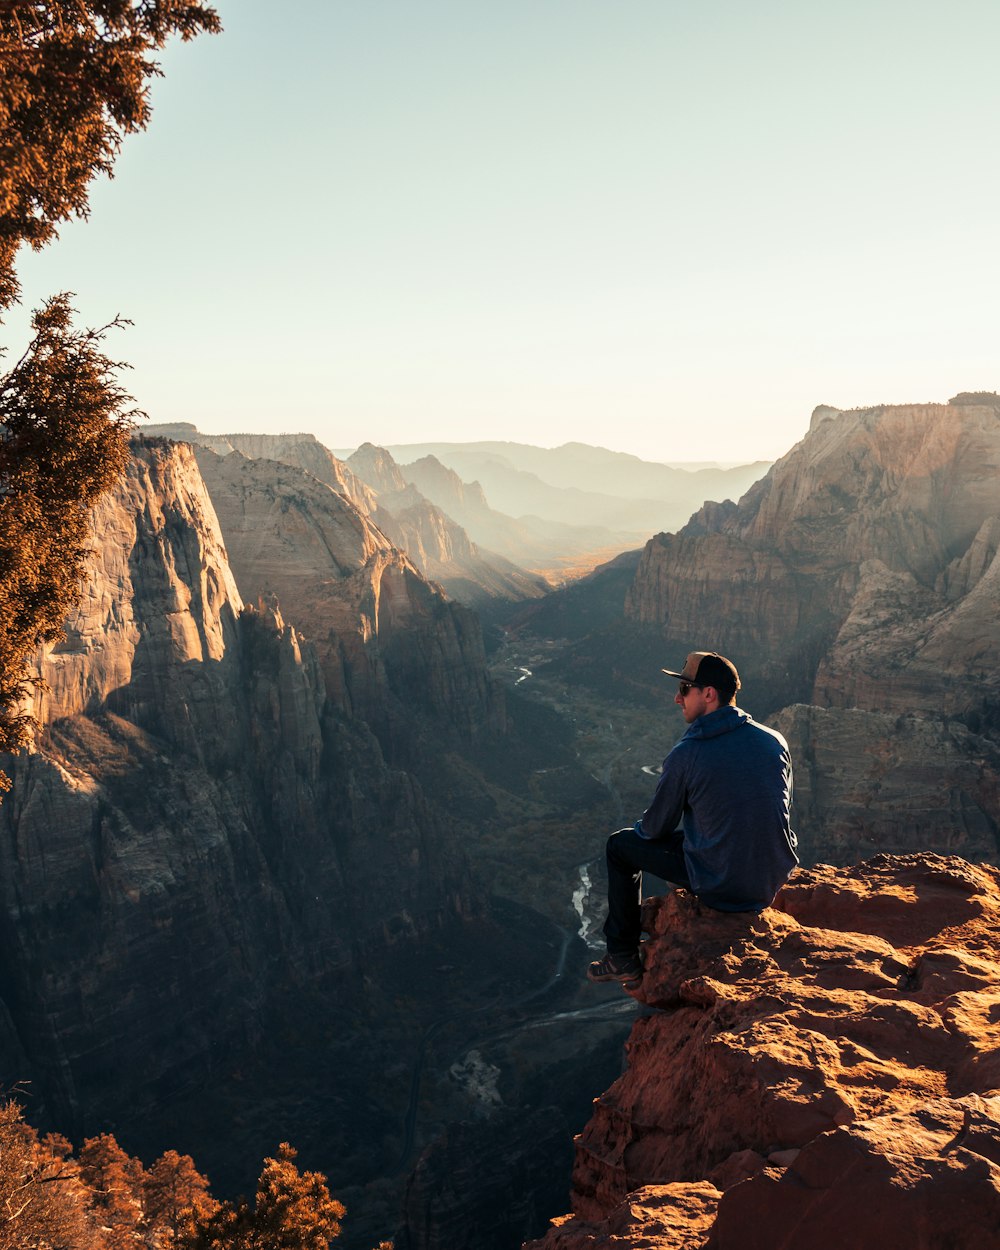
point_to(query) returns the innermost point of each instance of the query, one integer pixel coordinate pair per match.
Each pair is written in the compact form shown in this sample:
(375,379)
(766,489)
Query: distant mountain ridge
(437,546)
(528,515)
(581,485)
(583,465)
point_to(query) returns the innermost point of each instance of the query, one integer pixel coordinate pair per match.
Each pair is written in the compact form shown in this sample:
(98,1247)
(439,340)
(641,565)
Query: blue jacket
(729,780)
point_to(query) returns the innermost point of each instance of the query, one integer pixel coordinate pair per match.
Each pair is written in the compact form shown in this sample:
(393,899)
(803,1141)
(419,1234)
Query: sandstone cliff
(381,632)
(194,831)
(864,545)
(861,578)
(439,546)
(826,1074)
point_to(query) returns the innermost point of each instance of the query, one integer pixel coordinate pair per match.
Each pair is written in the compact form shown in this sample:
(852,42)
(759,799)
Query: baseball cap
(708,668)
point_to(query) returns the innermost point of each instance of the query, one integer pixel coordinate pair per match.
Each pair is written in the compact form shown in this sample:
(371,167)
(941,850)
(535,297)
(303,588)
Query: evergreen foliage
(294,1211)
(63,442)
(74,80)
(106,1200)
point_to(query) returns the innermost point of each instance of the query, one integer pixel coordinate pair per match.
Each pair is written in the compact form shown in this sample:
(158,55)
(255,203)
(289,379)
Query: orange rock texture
(825,1074)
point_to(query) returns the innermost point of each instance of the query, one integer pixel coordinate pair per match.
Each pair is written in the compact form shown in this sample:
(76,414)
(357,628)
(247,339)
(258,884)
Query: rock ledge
(825,1074)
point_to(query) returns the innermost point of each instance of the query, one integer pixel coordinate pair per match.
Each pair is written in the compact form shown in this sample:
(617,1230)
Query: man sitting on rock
(728,784)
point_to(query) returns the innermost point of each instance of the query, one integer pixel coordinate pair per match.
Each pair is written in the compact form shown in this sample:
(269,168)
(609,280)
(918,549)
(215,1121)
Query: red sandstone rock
(832,1064)
(657,1217)
(926,1179)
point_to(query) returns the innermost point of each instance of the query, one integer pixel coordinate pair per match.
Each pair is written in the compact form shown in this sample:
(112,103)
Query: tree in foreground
(43,1201)
(106,1200)
(64,425)
(176,1198)
(74,81)
(294,1211)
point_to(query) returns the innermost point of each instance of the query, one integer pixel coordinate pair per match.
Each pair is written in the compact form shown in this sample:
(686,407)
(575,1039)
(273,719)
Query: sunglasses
(687,686)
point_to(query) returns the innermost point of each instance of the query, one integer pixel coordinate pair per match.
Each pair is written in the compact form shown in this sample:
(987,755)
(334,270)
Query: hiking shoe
(625,968)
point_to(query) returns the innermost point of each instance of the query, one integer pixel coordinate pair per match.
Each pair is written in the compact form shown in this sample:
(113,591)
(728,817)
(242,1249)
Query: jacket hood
(722,721)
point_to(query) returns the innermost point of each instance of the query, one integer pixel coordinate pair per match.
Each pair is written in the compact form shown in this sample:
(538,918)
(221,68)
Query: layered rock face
(871,781)
(197,826)
(373,483)
(826,1073)
(848,570)
(860,580)
(303,451)
(381,632)
(438,546)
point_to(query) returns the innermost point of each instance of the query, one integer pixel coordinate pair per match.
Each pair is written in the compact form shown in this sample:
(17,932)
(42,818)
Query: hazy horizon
(664,230)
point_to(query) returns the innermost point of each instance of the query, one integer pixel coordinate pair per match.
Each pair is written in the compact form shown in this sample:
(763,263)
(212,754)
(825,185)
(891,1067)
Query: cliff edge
(824,1074)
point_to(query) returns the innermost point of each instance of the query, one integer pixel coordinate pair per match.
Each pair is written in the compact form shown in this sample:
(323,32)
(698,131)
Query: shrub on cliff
(106,1200)
(294,1211)
(63,442)
(101,1200)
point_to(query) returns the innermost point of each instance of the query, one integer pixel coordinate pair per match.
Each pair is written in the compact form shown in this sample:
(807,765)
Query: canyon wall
(438,547)
(199,825)
(856,586)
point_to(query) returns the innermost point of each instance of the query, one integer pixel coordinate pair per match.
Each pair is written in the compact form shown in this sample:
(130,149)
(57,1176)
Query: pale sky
(669,227)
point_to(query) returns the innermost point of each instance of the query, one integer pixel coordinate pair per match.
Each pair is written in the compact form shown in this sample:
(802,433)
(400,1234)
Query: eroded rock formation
(381,632)
(860,570)
(438,545)
(198,826)
(371,481)
(824,1074)
(860,579)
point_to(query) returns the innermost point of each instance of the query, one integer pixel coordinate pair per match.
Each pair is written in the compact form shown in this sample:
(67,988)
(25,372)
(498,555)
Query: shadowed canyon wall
(196,824)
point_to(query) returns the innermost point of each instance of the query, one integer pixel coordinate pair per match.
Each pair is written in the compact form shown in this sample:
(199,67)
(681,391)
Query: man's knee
(618,848)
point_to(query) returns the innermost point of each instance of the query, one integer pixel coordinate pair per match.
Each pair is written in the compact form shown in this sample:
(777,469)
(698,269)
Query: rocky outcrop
(856,586)
(438,546)
(857,571)
(302,451)
(826,1073)
(375,466)
(193,832)
(373,483)
(381,632)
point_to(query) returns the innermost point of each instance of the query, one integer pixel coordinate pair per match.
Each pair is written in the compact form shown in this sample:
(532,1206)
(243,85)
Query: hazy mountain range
(581,485)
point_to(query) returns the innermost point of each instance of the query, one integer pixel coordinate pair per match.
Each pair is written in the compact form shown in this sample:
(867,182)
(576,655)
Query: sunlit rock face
(195,825)
(860,571)
(823,1074)
(381,632)
(856,587)
(303,451)
(438,546)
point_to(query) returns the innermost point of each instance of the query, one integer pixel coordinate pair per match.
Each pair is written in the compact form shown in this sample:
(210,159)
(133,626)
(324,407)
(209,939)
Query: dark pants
(629,856)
